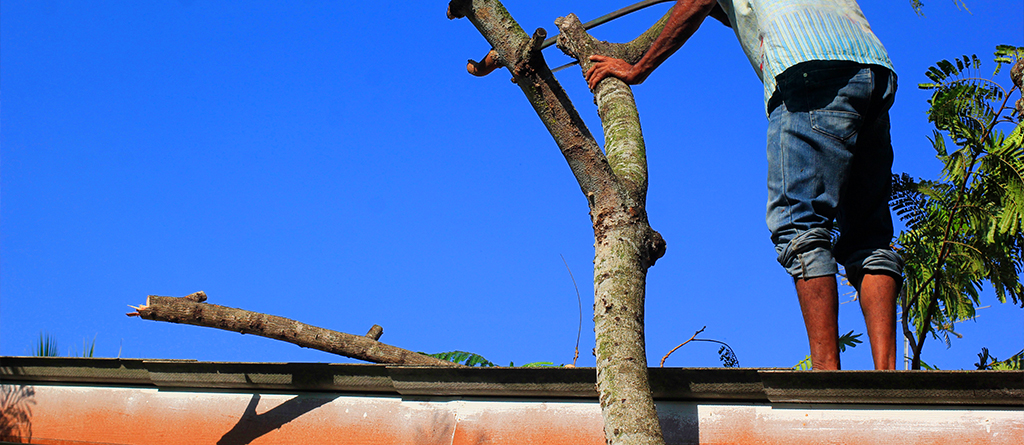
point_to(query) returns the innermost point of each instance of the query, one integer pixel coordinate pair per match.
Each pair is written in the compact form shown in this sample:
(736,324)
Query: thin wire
(579,300)
(609,17)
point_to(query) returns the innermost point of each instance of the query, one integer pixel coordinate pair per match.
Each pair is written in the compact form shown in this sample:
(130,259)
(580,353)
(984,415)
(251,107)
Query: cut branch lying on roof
(192,310)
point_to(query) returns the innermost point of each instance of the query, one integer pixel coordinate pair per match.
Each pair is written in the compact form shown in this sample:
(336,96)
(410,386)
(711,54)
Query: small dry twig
(662,365)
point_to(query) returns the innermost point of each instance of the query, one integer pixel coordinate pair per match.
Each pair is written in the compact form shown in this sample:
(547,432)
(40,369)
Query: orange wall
(80,414)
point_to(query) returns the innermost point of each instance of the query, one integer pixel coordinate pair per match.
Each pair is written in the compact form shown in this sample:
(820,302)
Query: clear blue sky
(332,162)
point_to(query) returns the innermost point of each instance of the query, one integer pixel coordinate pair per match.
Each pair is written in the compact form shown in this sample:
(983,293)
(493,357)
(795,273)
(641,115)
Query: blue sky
(332,162)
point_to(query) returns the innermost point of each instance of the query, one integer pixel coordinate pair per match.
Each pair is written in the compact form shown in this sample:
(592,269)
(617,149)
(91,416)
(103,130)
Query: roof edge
(765,385)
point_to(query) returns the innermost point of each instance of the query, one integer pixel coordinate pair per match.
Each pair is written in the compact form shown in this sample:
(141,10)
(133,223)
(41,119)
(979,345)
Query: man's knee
(808,255)
(882,261)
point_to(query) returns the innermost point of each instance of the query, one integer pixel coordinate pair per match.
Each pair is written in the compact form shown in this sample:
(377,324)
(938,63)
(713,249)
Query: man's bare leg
(819,302)
(878,302)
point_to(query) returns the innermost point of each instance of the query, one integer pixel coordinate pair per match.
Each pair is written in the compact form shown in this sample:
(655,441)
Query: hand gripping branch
(490,61)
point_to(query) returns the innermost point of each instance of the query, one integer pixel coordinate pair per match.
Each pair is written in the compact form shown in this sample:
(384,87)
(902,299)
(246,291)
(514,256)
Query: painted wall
(65,414)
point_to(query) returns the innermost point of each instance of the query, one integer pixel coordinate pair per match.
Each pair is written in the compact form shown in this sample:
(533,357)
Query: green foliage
(988,362)
(964,229)
(1005,55)
(728,357)
(725,352)
(534,364)
(47,346)
(917,5)
(471,359)
(847,340)
(463,358)
(88,350)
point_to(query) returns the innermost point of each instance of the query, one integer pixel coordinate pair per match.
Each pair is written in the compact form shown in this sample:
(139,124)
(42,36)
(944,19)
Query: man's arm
(686,17)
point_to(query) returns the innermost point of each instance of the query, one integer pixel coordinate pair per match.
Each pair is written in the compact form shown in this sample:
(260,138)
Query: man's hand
(686,17)
(609,66)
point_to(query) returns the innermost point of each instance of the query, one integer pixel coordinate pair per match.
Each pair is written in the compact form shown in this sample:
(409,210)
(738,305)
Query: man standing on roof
(828,86)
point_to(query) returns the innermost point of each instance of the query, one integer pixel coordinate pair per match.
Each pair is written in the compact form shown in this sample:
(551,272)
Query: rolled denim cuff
(808,255)
(877,261)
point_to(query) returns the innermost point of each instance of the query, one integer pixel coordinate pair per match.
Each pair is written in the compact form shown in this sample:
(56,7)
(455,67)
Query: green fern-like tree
(964,229)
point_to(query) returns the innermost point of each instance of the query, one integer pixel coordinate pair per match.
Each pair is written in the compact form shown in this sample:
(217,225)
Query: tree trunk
(615,187)
(625,247)
(192,310)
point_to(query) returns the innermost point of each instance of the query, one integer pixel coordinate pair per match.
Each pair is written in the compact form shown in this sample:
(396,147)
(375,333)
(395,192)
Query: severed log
(191,310)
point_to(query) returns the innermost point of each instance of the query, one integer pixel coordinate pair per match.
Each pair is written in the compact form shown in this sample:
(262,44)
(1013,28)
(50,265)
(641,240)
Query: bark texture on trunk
(615,186)
(625,247)
(191,310)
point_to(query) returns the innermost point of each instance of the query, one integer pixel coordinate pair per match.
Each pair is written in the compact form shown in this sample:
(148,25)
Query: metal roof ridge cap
(278,376)
(774,385)
(891,387)
(75,370)
(547,382)
(707,384)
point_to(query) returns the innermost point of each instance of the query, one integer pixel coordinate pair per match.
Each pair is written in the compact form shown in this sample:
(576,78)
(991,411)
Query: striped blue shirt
(777,34)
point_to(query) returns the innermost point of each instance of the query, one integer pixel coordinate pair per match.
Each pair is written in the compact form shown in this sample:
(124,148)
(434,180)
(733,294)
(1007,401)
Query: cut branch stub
(485,66)
(198,297)
(187,311)
(530,58)
(375,332)
(494,22)
(457,9)
(656,247)
(546,95)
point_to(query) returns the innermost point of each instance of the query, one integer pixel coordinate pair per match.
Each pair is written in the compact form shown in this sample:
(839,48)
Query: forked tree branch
(513,49)
(615,186)
(624,142)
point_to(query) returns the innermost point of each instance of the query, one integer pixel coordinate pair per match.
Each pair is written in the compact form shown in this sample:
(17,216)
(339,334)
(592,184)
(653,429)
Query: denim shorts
(830,159)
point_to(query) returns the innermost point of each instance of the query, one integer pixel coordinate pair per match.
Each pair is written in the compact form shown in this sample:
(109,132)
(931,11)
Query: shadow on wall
(681,424)
(252,425)
(16,413)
